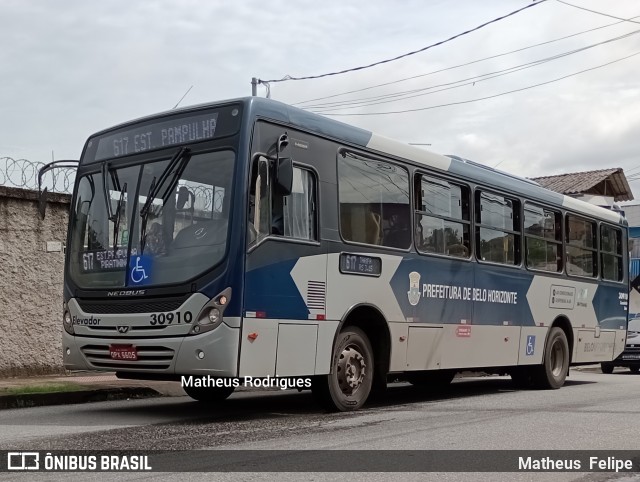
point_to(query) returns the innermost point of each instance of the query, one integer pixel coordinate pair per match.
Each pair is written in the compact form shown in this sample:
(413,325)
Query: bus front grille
(149,358)
(112,306)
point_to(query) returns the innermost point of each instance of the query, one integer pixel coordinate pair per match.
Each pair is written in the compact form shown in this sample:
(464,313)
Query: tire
(348,386)
(555,363)
(209,394)
(436,380)
(634,369)
(606,368)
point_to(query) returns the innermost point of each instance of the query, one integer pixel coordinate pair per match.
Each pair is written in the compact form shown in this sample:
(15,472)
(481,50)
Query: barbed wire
(23,173)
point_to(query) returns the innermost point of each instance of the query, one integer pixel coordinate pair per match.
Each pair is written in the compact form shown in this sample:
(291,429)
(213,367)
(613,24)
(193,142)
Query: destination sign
(164,132)
(359,264)
(158,135)
(105,260)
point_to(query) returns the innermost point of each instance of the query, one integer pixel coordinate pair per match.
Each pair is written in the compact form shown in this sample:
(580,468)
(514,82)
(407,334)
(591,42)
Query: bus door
(286,268)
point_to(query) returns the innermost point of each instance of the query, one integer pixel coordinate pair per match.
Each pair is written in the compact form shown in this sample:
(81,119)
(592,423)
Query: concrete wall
(31,282)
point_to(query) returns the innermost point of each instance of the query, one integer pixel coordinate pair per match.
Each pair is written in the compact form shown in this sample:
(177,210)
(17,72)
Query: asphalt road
(592,412)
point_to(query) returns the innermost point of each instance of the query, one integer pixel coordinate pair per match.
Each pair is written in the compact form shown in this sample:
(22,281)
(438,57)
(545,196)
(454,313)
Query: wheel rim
(352,369)
(557,359)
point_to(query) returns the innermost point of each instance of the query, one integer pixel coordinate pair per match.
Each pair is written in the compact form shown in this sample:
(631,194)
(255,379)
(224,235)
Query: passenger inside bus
(360,224)
(397,234)
(155,240)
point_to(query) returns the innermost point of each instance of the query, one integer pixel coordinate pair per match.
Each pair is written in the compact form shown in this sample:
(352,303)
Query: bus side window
(443,217)
(374,201)
(296,216)
(271,213)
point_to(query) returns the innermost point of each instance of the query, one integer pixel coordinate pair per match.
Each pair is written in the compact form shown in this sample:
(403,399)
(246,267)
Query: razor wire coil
(22,173)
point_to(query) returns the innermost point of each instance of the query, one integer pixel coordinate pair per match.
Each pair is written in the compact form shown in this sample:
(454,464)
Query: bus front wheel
(348,385)
(209,394)
(555,364)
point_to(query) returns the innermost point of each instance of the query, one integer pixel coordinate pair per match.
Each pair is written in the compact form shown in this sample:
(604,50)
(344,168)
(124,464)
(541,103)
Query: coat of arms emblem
(414,288)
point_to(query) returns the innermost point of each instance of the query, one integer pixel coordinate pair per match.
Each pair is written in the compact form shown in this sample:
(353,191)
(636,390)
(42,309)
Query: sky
(70,68)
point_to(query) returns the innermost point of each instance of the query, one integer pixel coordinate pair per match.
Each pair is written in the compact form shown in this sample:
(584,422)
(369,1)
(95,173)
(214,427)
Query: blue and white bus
(249,238)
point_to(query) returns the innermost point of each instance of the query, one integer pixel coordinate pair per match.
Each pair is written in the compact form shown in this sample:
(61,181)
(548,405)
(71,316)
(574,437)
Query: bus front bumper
(214,353)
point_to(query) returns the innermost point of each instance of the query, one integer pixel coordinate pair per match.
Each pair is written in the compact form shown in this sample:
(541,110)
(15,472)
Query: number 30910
(170,318)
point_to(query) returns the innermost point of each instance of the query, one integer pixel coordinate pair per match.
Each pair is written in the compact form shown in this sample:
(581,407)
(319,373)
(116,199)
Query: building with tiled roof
(610,184)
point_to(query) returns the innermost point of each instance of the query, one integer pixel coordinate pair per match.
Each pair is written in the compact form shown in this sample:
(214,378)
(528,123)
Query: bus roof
(450,163)
(355,136)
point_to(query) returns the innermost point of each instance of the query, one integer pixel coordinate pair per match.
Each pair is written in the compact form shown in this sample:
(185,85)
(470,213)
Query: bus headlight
(214,315)
(210,316)
(67,323)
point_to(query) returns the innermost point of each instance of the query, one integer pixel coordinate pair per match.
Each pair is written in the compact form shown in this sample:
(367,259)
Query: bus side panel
(612,305)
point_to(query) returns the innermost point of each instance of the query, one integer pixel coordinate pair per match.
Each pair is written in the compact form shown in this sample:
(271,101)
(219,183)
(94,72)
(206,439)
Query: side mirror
(284,175)
(42,198)
(284,167)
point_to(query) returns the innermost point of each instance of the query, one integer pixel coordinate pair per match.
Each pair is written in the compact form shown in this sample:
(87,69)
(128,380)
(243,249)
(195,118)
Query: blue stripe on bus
(484,295)
(610,309)
(284,302)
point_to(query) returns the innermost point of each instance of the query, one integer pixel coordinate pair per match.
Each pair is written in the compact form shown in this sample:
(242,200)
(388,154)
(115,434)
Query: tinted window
(543,238)
(582,257)
(611,256)
(442,217)
(374,201)
(498,233)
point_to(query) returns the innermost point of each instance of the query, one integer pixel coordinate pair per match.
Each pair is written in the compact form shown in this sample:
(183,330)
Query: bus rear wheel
(348,385)
(209,394)
(555,364)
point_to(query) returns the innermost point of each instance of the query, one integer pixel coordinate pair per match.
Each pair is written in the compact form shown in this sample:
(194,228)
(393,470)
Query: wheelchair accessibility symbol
(531,345)
(141,270)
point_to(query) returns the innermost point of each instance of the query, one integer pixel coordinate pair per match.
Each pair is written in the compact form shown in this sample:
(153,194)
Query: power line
(398,96)
(488,97)
(288,77)
(596,12)
(464,64)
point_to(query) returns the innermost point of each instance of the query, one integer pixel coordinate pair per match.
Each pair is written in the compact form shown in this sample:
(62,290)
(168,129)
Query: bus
(251,240)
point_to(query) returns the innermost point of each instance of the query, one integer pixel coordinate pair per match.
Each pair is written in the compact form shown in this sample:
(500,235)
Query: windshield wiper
(115,181)
(105,189)
(118,216)
(174,169)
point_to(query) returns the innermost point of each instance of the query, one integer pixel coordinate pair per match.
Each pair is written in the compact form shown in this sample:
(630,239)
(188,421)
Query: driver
(155,240)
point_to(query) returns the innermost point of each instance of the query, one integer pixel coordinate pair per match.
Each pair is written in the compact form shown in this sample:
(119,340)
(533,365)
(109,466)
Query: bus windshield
(181,233)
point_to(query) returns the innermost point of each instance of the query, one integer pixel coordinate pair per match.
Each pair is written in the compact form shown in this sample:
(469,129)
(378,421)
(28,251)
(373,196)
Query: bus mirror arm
(42,193)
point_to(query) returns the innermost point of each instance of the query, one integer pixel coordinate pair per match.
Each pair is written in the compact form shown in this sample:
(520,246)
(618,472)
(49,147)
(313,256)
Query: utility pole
(254,86)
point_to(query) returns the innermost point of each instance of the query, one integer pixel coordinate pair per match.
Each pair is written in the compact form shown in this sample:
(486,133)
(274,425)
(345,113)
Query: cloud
(72,67)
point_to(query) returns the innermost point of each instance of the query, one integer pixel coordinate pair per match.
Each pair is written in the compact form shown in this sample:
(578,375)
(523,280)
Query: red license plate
(123,352)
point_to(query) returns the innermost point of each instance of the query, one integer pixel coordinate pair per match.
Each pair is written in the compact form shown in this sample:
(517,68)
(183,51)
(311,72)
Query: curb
(80,396)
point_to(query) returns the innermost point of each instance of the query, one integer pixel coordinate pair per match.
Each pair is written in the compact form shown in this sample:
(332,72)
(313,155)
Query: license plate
(631,357)
(123,352)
